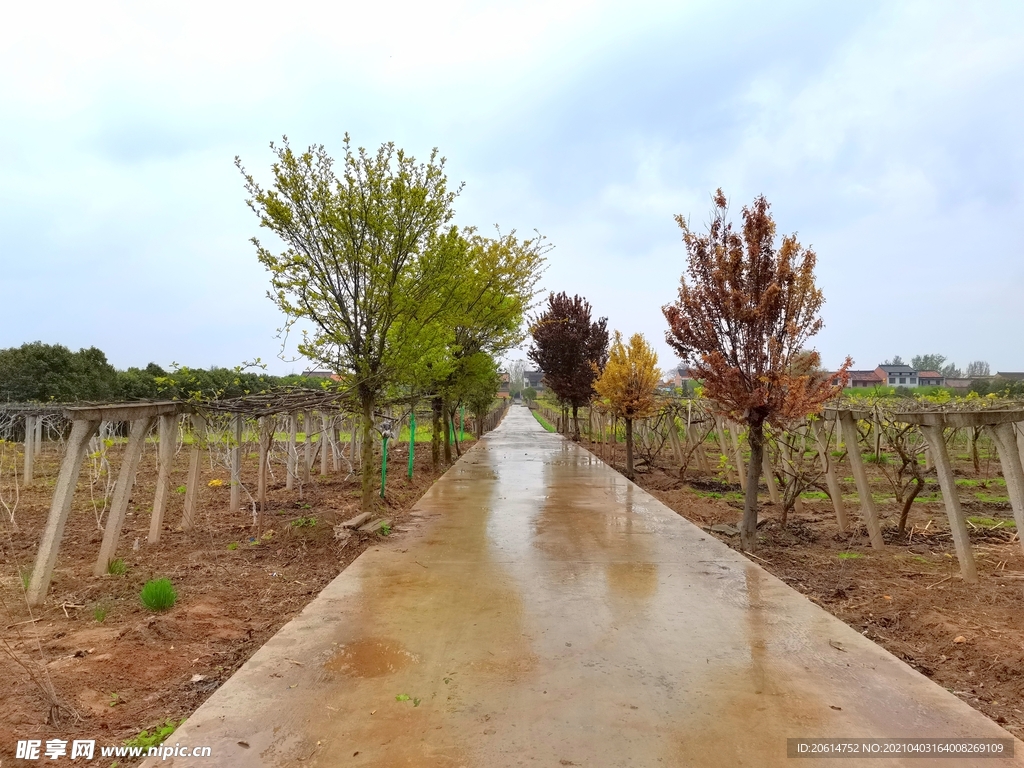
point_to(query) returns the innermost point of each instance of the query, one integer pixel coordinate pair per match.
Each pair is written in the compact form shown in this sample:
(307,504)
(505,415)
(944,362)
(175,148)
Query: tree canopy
(746,310)
(394,297)
(571,350)
(629,384)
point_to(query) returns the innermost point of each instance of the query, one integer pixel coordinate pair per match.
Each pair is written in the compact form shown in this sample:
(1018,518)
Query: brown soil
(909,598)
(117,674)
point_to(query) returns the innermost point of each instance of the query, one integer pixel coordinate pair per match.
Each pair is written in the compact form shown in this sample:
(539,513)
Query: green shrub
(159,594)
(99,612)
(233,546)
(154,739)
(117,567)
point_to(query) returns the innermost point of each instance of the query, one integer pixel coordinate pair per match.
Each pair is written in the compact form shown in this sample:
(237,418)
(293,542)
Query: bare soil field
(93,663)
(909,598)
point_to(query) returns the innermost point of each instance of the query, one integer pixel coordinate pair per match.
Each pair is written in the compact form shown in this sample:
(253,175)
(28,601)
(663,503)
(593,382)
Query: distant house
(503,387)
(681,378)
(865,379)
(959,385)
(534,379)
(895,376)
(322,375)
(1010,375)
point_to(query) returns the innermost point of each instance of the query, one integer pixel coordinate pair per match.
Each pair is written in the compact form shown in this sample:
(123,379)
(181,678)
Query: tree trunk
(916,489)
(748,526)
(447,435)
(435,437)
(974,450)
(629,448)
(455,433)
(369,496)
(575,423)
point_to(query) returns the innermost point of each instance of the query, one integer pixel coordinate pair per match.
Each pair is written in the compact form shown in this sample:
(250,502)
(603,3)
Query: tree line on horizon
(52,373)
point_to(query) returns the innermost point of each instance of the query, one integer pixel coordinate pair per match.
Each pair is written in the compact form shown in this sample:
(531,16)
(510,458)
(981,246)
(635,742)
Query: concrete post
(1008,447)
(236,463)
(30,449)
(192,484)
(60,507)
(38,441)
(266,428)
(357,458)
(769,477)
(293,455)
(957,526)
(835,493)
(307,445)
(867,502)
(122,493)
(323,441)
(734,432)
(166,433)
(1019,428)
(336,443)
(719,423)
(673,436)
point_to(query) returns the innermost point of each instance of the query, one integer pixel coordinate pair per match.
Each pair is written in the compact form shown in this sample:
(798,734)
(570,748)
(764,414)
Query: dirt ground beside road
(909,598)
(116,668)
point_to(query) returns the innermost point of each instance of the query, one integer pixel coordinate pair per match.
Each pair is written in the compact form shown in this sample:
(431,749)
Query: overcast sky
(888,135)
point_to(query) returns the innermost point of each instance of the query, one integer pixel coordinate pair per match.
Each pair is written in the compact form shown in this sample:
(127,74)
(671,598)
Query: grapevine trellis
(220,429)
(909,429)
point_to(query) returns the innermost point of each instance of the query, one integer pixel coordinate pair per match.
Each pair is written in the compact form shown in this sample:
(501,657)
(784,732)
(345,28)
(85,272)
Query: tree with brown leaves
(747,307)
(570,349)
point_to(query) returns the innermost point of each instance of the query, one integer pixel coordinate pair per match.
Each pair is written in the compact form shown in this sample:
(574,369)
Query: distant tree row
(746,311)
(44,373)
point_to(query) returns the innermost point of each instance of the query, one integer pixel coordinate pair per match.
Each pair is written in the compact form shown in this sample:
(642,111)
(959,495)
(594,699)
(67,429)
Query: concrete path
(543,611)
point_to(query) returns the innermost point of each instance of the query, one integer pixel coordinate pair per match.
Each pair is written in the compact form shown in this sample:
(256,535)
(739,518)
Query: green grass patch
(542,421)
(117,567)
(158,594)
(991,498)
(154,738)
(814,495)
(849,555)
(990,522)
(99,612)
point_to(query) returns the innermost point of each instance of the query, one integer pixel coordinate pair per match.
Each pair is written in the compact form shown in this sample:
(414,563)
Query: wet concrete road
(543,611)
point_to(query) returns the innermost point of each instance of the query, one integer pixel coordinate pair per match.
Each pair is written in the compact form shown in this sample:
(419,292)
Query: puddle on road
(372,657)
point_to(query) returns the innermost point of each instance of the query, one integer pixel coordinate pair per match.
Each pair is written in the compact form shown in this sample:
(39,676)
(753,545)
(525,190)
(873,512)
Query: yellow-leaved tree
(629,384)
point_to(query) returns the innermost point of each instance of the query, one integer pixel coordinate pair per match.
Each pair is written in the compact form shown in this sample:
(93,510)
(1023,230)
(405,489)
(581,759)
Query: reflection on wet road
(544,611)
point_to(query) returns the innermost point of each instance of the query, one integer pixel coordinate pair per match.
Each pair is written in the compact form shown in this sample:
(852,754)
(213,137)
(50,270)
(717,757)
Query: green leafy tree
(53,373)
(368,263)
(496,285)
